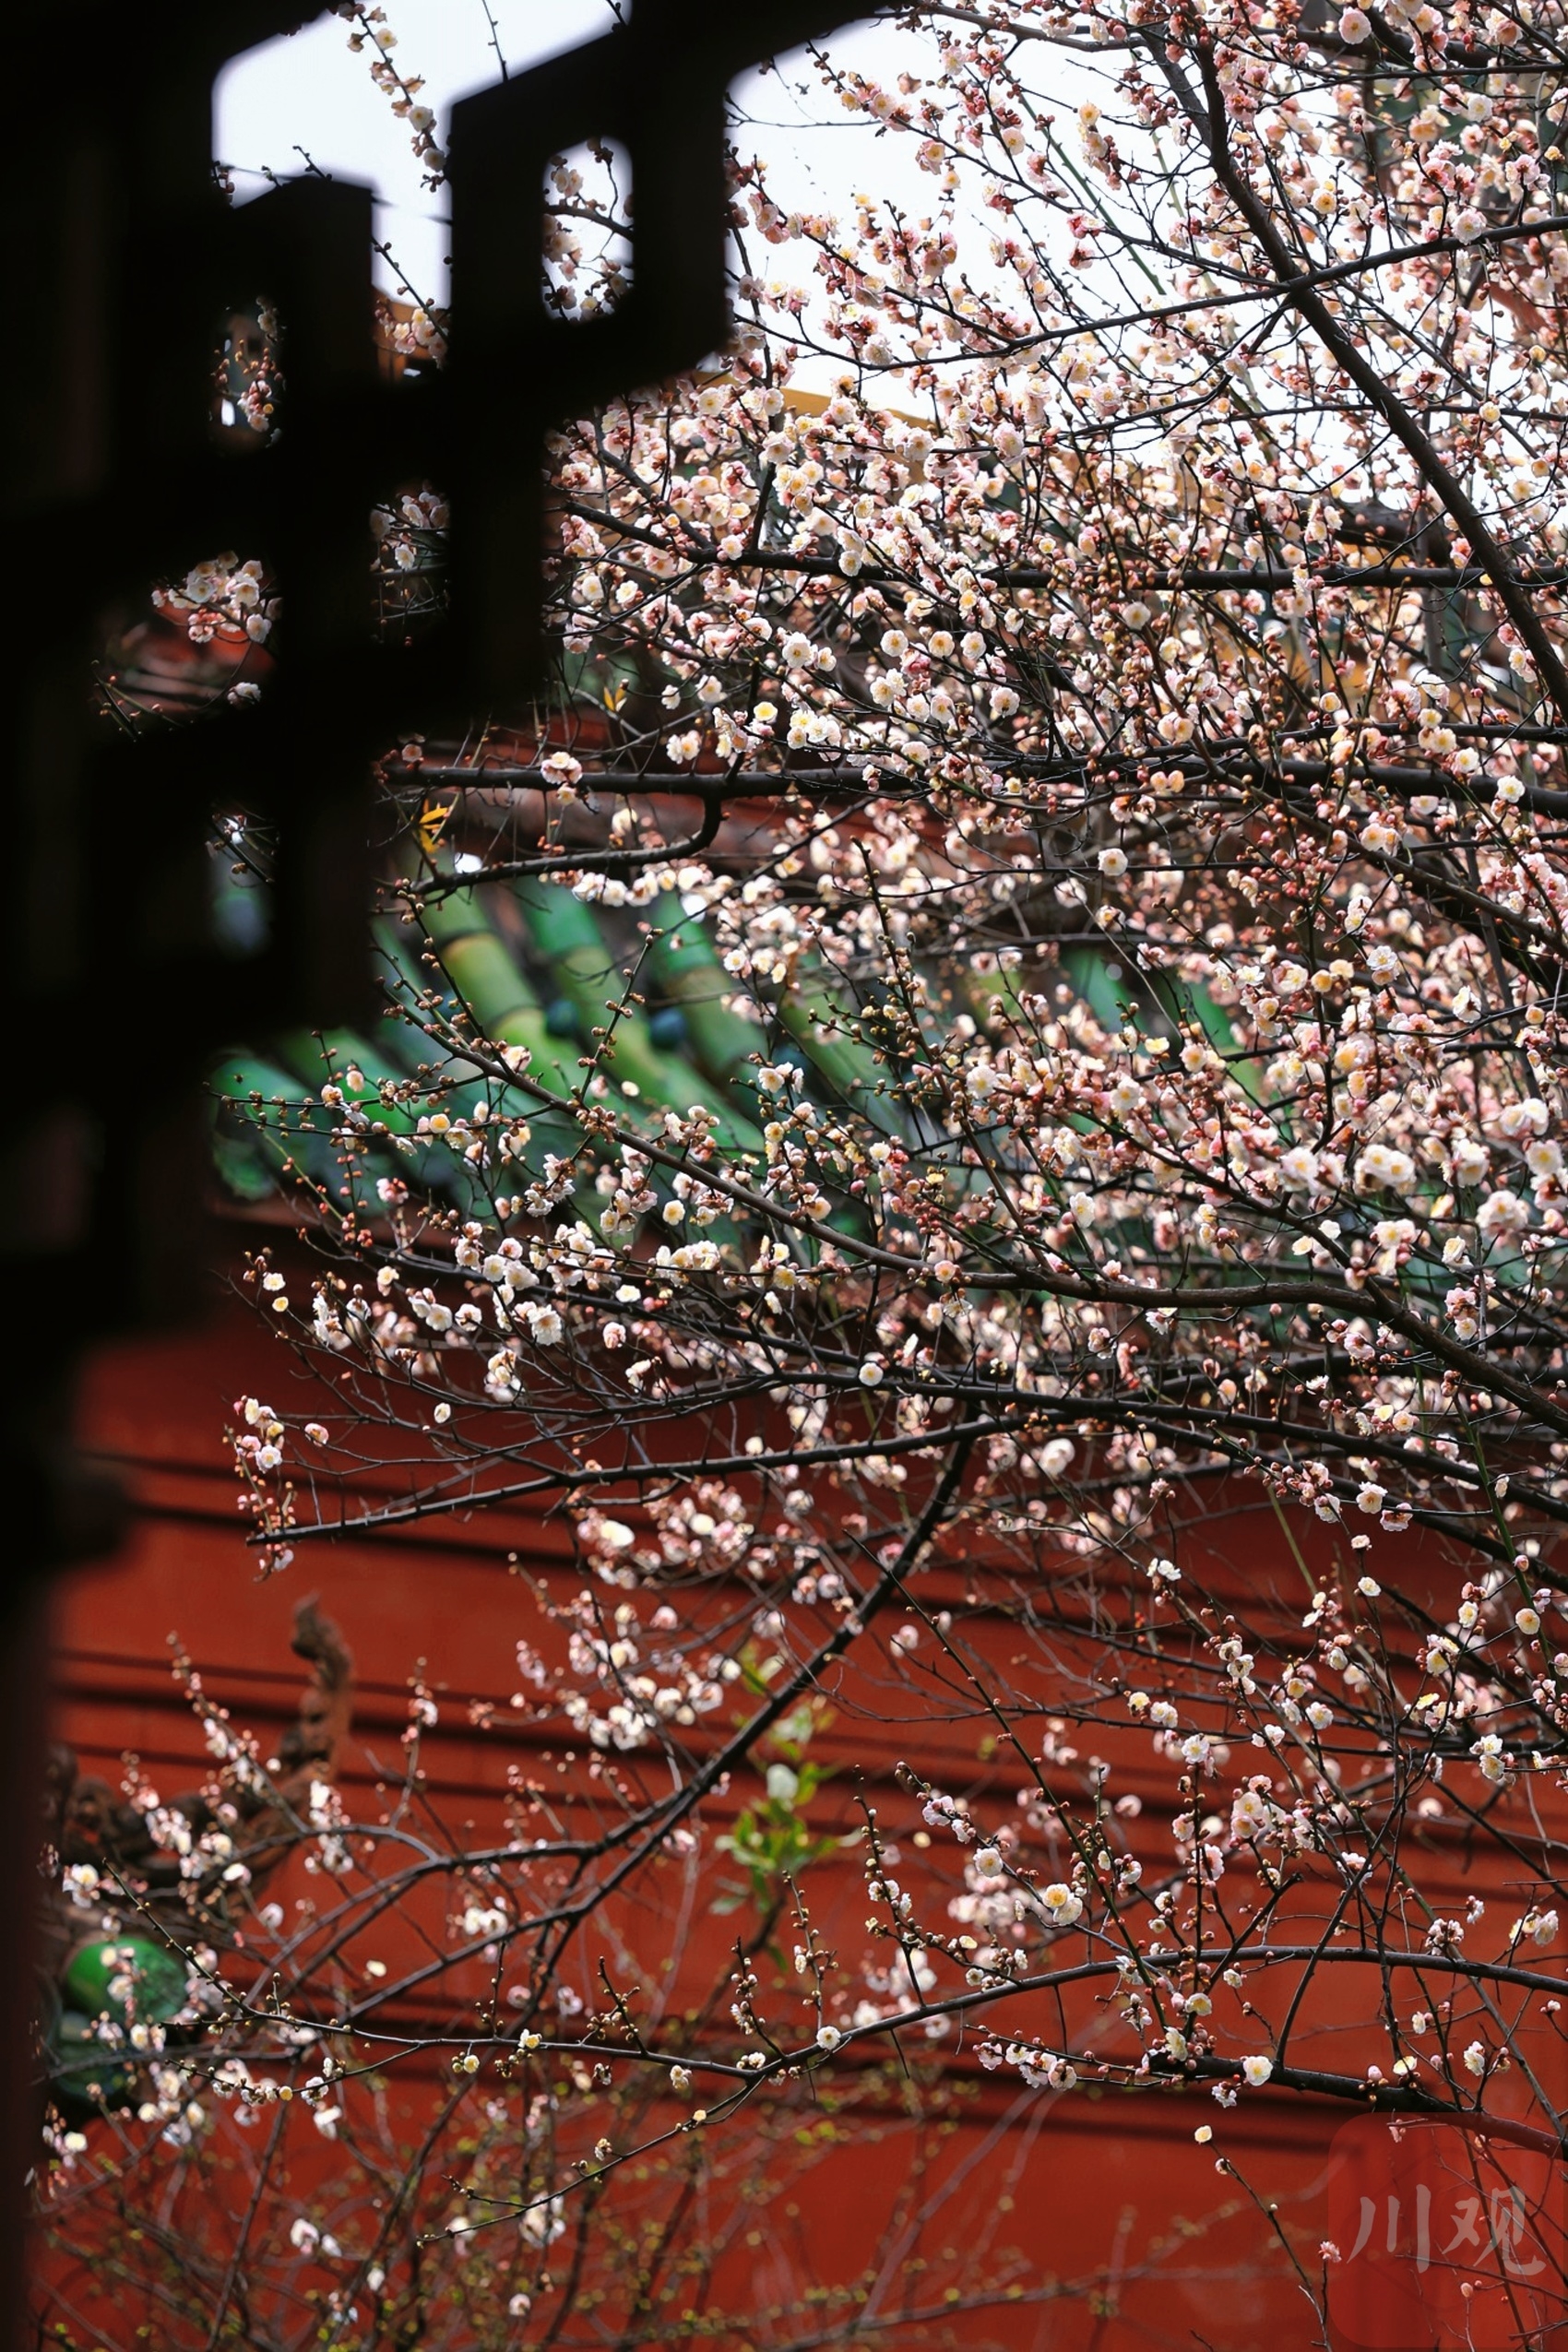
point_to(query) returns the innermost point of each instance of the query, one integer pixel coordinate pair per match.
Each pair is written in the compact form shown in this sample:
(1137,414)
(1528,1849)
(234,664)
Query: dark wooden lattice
(123,258)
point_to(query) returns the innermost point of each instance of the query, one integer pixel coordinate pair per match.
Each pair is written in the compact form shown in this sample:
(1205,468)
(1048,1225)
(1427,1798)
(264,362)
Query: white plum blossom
(994,1027)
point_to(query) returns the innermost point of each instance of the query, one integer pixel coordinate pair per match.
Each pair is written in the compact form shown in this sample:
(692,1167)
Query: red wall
(1045,2196)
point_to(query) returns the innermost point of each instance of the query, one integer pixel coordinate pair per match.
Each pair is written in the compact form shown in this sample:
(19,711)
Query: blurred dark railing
(123,259)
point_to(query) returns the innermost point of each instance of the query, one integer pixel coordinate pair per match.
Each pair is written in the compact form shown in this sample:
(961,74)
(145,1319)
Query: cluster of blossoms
(373,38)
(224,603)
(1009,1007)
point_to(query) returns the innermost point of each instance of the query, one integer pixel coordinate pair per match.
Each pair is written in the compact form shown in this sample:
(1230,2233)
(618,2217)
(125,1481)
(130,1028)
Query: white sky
(310,92)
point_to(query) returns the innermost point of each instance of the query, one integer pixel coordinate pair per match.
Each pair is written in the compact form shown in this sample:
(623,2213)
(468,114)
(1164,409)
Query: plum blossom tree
(997,1035)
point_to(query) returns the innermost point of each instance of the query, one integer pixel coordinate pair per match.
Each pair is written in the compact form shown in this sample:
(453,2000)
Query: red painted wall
(1046,2192)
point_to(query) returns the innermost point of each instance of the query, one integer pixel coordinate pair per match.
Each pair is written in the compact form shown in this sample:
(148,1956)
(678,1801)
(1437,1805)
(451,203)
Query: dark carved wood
(122,259)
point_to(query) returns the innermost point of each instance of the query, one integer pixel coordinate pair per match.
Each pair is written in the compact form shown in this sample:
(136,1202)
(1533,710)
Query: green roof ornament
(126,1976)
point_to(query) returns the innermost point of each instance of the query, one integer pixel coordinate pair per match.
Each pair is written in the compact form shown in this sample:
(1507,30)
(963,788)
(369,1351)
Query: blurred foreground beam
(124,259)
